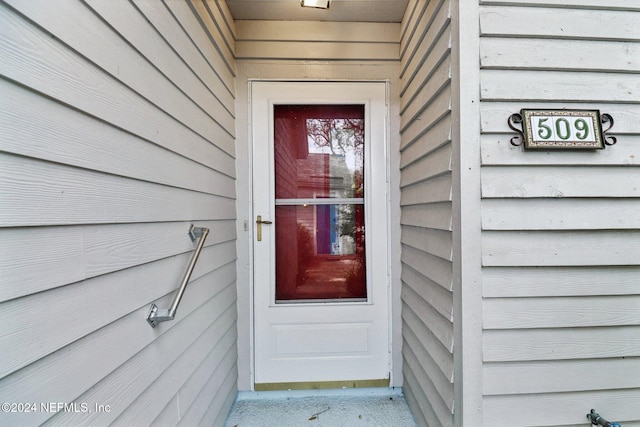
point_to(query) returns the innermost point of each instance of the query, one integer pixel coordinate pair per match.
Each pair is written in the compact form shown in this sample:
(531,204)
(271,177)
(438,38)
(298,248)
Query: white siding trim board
(466,220)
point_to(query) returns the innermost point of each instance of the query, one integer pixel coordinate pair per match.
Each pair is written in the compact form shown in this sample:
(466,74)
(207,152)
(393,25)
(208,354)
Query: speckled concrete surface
(322,408)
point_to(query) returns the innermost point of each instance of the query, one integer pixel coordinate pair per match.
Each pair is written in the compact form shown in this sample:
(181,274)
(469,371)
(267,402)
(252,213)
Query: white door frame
(249,227)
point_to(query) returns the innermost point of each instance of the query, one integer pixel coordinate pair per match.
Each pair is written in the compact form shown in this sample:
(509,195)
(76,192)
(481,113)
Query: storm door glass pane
(319,187)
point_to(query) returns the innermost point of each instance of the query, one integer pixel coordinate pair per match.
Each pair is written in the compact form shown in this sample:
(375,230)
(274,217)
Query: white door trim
(380,169)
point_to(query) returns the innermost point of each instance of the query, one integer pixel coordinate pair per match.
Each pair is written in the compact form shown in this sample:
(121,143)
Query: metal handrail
(157,315)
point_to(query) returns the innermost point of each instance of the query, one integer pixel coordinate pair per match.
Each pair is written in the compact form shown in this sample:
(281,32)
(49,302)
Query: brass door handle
(259,222)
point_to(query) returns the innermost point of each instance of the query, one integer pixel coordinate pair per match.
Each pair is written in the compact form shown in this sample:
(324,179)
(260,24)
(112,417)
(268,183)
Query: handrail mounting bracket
(196,232)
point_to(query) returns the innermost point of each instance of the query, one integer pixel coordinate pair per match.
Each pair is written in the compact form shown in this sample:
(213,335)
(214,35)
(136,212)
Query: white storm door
(320,191)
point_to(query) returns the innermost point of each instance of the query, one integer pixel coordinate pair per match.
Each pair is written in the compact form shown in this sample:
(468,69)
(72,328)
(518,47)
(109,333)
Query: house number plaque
(561,129)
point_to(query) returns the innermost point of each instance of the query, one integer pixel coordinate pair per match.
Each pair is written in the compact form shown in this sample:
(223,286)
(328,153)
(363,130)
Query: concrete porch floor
(321,408)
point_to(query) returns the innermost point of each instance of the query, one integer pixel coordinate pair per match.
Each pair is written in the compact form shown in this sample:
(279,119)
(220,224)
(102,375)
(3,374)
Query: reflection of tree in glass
(350,224)
(340,136)
(343,140)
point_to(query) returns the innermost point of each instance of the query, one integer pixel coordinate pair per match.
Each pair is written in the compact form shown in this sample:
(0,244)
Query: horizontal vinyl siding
(561,258)
(118,131)
(317,40)
(426,211)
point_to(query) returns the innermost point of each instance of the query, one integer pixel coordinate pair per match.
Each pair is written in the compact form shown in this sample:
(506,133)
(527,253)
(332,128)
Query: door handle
(259,222)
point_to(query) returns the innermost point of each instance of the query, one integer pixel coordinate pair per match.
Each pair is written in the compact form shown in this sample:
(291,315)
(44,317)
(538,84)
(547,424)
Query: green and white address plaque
(561,129)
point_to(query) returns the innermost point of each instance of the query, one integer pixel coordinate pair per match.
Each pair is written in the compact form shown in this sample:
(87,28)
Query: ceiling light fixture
(319,4)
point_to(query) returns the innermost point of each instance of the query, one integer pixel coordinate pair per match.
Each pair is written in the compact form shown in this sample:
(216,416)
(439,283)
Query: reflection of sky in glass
(340,131)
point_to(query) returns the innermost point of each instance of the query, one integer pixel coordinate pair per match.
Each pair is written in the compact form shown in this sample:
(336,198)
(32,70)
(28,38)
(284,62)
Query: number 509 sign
(562,129)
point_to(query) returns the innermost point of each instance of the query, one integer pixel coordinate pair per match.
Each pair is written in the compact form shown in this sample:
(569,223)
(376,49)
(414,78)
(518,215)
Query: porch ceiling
(340,10)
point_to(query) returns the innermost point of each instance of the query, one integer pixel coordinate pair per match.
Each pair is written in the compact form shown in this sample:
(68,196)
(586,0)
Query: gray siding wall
(561,239)
(116,133)
(426,206)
